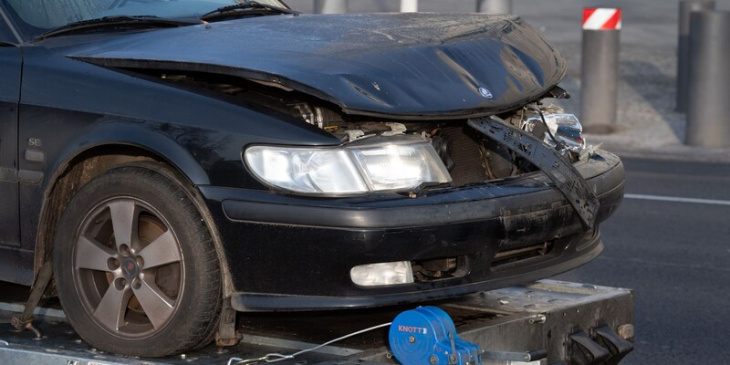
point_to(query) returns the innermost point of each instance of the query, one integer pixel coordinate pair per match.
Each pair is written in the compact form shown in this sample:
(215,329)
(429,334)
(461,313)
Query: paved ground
(674,255)
(647,123)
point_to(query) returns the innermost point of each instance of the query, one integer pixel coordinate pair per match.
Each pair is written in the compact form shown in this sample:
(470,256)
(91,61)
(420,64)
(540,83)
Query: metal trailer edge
(573,323)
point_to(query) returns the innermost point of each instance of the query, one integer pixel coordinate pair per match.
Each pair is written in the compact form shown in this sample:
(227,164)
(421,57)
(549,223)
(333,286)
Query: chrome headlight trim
(566,128)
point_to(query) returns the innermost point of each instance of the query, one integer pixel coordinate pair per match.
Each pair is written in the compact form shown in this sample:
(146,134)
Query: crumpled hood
(405,65)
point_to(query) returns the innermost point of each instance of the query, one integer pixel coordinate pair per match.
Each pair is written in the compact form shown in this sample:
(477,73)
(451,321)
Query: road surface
(674,253)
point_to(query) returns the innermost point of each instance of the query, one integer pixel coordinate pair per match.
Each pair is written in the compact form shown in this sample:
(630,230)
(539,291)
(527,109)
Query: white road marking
(676,199)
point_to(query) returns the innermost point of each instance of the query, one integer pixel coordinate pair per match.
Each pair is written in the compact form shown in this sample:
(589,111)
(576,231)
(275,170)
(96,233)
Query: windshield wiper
(246,8)
(117,21)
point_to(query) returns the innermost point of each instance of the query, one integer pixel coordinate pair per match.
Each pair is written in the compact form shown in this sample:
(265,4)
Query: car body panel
(10,68)
(407,65)
(193,131)
(15,264)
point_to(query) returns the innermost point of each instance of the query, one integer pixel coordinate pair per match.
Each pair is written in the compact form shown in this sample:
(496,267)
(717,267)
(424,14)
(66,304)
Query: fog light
(388,273)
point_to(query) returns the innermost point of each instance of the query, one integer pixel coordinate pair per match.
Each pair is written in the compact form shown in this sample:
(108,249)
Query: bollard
(408,6)
(330,6)
(708,109)
(599,71)
(494,6)
(685,9)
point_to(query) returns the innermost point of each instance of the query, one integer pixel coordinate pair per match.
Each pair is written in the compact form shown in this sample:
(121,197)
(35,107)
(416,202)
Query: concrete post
(494,6)
(685,9)
(708,112)
(408,6)
(330,6)
(599,71)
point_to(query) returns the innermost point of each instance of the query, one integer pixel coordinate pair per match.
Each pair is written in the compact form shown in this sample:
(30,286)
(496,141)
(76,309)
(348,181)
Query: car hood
(408,65)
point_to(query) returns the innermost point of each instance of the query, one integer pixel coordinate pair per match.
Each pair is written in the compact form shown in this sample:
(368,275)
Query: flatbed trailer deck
(572,323)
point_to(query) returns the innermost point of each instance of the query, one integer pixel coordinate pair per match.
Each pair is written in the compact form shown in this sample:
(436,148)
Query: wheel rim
(128,267)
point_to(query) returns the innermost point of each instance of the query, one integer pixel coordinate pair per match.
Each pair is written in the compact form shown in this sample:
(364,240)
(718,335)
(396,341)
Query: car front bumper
(291,253)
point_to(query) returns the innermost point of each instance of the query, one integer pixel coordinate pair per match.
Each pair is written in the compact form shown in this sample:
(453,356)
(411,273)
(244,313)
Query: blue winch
(427,335)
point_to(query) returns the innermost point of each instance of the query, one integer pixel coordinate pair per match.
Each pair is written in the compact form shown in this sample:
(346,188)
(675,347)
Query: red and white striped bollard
(599,71)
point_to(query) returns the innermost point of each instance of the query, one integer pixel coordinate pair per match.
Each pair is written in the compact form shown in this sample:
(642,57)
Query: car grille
(464,149)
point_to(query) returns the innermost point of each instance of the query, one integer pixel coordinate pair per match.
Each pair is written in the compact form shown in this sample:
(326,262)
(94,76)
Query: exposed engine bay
(468,155)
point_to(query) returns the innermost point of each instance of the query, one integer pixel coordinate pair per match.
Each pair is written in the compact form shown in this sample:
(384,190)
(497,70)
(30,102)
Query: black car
(176,159)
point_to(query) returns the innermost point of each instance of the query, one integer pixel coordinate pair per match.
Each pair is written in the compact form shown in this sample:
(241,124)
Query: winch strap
(24,322)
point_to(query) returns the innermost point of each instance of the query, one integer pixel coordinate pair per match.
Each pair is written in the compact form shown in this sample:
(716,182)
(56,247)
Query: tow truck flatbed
(573,323)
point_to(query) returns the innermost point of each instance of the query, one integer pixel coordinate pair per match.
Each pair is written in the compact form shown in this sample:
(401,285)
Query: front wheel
(135,265)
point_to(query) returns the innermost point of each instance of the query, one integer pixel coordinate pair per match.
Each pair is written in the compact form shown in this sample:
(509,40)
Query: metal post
(708,109)
(330,6)
(494,6)
(408,6)
(685,9)
(599,71)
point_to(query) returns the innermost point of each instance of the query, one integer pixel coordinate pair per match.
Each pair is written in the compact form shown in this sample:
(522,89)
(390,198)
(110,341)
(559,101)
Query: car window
(35,17)
(50,14)
(6,35)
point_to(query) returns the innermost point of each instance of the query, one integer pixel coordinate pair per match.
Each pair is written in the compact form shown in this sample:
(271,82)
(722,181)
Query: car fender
(137,134)
(120,132)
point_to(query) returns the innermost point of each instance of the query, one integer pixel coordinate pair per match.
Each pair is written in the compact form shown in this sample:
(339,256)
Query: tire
(135,265)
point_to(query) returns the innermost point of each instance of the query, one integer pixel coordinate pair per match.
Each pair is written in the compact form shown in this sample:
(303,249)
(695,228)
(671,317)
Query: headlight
(375,164)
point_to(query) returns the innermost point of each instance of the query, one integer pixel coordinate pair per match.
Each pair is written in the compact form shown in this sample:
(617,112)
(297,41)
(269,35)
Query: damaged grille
(473,158)
(462,148)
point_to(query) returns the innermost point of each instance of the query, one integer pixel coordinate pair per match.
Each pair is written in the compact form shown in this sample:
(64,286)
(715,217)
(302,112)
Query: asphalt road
(675,255)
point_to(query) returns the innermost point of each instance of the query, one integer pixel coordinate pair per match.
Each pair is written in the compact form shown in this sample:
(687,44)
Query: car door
(10,70)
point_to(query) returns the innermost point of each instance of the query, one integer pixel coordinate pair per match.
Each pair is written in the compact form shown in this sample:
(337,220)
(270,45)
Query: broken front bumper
(289,253)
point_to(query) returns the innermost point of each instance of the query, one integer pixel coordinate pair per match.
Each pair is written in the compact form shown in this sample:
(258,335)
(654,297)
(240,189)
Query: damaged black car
(175,160)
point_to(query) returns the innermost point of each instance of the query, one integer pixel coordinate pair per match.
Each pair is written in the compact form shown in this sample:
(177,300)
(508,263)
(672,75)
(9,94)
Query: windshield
(35,17)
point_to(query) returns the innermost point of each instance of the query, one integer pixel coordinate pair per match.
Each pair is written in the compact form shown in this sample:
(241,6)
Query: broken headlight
(564,127)
(373,164)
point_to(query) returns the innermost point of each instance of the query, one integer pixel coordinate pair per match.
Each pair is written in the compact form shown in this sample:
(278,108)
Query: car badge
(486,93)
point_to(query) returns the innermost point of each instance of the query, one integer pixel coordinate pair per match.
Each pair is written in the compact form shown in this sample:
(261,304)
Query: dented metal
(399,65)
